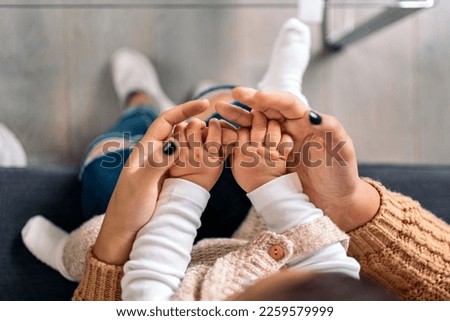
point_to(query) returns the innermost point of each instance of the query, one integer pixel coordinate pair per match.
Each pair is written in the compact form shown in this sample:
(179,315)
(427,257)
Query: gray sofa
(55,193)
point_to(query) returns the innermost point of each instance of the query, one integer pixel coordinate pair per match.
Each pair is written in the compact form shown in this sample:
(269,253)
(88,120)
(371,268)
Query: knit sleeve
(405,248)
(100,281)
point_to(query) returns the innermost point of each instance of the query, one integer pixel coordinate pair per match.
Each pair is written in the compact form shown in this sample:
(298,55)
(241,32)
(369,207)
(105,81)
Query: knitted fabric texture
(220,268)
(78,244)
(405,248)
(99,280)
(236,270)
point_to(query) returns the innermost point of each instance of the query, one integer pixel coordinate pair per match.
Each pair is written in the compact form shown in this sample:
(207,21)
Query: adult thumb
(154,158)
(162,155)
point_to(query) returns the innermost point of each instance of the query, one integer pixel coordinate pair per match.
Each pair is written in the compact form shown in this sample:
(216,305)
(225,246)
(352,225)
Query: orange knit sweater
(404,248)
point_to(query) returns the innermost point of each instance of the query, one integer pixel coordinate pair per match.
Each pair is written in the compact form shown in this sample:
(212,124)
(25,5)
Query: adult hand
(134,198)
(323,155)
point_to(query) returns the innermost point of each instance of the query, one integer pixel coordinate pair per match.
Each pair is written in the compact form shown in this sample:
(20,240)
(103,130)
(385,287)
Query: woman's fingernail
(315,118)
(169,148)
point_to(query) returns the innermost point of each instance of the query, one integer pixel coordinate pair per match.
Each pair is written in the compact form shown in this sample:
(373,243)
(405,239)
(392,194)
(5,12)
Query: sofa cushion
(430,185)
(53,193)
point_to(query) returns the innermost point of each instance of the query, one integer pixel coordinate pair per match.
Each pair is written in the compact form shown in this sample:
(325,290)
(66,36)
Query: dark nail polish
(169,148)
(315,118)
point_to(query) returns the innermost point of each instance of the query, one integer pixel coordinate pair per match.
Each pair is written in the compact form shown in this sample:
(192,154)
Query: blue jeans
(225,211)
(99,176)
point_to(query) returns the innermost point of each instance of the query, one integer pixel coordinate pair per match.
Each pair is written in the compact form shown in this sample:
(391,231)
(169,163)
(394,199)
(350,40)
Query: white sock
(289,60)
(46,241)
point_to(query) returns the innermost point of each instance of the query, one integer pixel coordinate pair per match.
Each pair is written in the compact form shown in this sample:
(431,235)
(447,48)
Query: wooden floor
(391,90)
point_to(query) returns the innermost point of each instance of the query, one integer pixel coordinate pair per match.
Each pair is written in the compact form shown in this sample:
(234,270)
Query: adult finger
(162,127)
(244,95)
(162,157)
(157,156)
(275,105)
(285,103)
(234,114)
(225,124)
(247,97)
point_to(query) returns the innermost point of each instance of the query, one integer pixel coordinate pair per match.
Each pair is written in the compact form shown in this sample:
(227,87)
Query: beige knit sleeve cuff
(315,235)
(100,281)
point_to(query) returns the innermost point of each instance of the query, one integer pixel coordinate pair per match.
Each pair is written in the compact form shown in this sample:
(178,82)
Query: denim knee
(98,180)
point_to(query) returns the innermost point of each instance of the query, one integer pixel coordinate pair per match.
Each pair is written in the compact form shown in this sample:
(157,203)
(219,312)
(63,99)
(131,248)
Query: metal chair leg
(336,40)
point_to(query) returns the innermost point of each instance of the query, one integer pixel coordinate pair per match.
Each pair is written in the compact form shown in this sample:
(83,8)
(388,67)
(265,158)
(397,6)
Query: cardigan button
(276,252)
